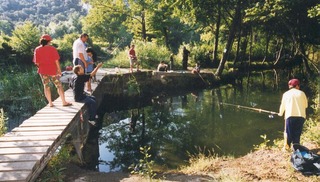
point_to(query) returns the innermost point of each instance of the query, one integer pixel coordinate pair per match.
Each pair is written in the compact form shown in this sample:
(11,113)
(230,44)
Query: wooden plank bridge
(26,150)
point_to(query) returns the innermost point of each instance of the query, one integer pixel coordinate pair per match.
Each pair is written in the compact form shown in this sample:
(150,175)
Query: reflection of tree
(156,126)
(90,150)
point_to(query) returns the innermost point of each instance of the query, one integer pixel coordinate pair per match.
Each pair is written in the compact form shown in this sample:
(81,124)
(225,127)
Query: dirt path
(261,165)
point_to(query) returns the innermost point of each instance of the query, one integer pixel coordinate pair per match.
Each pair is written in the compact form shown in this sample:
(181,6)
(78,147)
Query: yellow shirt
(294,103)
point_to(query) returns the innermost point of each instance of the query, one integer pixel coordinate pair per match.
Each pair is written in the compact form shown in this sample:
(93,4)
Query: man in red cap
(294,103)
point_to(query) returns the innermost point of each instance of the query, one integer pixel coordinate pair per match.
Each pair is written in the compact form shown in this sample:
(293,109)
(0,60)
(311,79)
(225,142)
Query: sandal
(67,104)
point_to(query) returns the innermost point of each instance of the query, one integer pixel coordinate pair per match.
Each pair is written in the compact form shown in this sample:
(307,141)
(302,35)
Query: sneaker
(92,122)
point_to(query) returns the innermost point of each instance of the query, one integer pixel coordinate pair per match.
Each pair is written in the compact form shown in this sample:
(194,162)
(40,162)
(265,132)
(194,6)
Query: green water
(176,127)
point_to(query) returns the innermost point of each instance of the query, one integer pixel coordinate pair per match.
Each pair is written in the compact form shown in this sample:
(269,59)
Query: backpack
(305,161)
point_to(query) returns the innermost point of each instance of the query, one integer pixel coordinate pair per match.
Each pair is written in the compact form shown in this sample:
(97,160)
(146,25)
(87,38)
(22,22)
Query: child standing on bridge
(77,84)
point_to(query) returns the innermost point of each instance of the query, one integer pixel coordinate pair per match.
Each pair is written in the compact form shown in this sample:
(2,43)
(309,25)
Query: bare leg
(47,93)
(61,94)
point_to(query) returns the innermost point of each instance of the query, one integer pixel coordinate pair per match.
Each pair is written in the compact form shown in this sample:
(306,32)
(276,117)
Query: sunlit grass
(203,161)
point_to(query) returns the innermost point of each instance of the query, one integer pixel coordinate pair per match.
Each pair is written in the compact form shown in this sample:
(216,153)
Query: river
(176,127)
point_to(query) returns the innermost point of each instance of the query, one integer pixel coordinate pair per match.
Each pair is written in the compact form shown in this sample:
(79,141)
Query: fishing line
(251,108)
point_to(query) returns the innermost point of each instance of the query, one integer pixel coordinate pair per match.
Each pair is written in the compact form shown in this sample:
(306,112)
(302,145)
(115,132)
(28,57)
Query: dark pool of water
(176,127)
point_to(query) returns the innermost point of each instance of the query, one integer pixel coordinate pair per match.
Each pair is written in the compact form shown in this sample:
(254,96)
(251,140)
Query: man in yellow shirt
(294,103)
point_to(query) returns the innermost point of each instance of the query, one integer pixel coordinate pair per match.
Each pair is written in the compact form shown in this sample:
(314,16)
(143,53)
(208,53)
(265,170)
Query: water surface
(176,127)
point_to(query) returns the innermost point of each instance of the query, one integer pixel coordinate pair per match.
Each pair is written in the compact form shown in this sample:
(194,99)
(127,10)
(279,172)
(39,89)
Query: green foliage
(3,119)
(6,27)
(264,144)
(99,23)
(54,171)
(17,85)
(149,55)
(40,12)
(60,28)
(65,46)
(311,129)
(25,38)
(314,11)
(200,53)
(145,166)
(133,86)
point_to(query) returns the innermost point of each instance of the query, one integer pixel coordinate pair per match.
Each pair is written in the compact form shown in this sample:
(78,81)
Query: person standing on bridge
(133,59)
(79,51)
(294,103)
(77,84)
(46,58)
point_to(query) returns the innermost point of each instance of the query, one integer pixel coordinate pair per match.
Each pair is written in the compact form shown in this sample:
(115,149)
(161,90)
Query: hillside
(39,12)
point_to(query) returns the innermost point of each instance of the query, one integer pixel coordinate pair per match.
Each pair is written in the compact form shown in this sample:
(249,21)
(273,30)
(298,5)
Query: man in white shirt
(294,103)
(79,51)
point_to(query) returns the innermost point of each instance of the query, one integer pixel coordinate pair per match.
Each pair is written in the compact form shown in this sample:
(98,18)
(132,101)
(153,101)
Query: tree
(105,20)
(24,39)
(235,23)
(292,24)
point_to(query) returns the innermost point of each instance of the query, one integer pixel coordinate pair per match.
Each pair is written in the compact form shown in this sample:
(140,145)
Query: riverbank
(261,165)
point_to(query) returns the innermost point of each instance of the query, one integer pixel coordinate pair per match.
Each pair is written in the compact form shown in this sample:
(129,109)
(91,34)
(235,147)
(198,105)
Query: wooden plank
(31,124)
(33,133)
(47,120)
(17,166)
(14,176)
(25,144)
(62,111)
(24,150)
(41,128)
(31,138)
(20,157)
(54,114)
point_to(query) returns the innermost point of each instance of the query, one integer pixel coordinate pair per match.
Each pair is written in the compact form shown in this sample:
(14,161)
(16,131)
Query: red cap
(46,37)
(293,83)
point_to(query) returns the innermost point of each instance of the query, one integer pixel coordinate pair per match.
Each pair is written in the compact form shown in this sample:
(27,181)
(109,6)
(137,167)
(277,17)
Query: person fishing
(294,103)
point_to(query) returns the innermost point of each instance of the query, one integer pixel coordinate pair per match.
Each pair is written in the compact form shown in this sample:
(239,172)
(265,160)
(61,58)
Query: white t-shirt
(79,47)
(294,103)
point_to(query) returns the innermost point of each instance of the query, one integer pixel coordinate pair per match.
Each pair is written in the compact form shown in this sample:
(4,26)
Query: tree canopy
(215,31)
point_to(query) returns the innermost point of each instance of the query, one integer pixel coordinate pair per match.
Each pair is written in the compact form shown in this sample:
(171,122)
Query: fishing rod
(249,108)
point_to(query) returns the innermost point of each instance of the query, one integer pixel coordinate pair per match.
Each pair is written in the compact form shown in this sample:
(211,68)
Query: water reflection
(177,125)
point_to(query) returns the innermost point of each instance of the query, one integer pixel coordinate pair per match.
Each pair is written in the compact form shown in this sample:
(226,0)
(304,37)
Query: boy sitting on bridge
(77,84)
